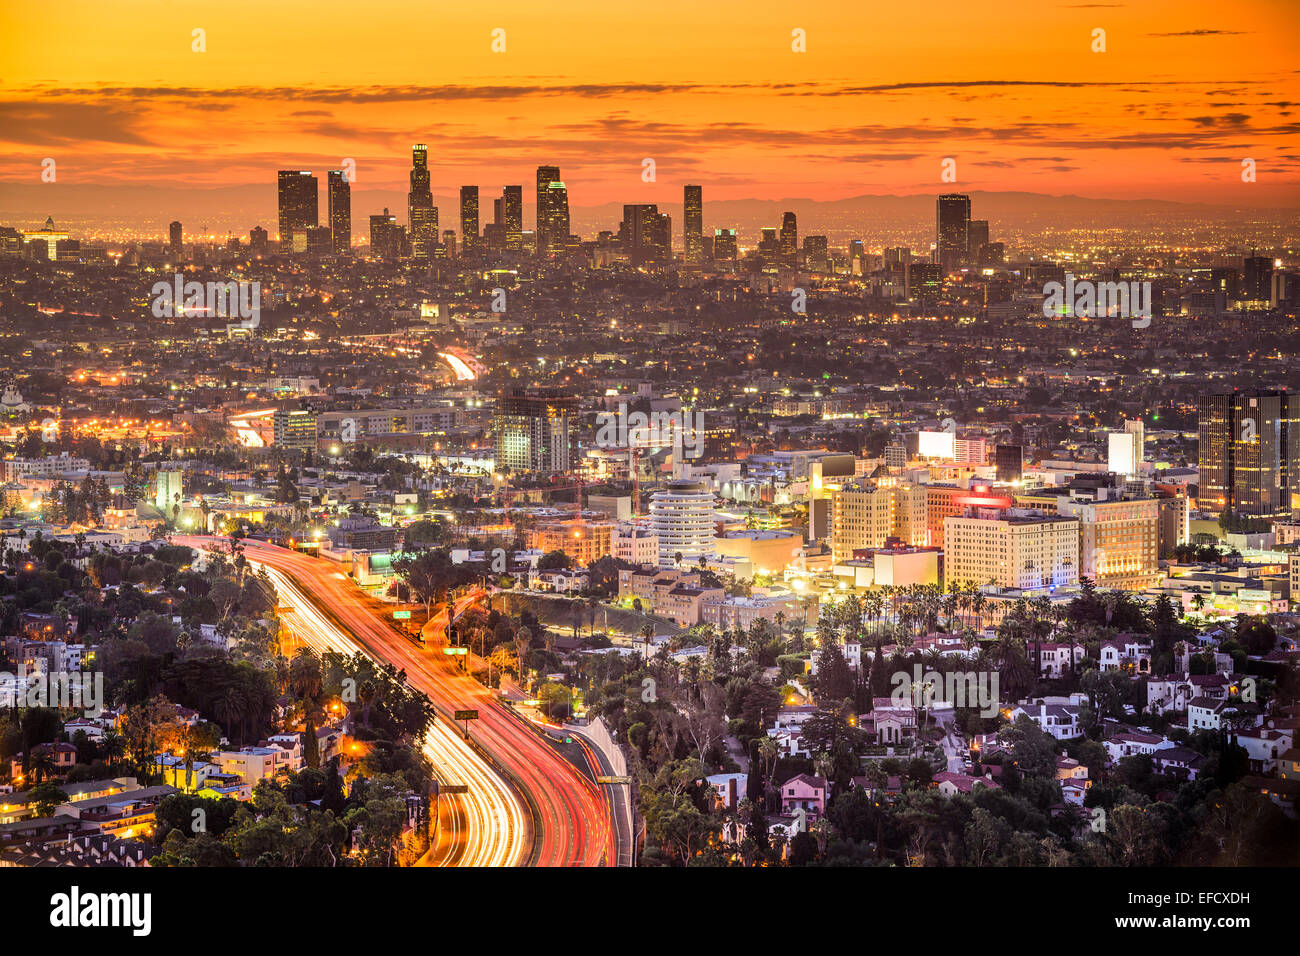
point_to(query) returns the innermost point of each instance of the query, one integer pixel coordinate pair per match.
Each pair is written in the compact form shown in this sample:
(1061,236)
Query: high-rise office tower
(448,247)
(1257,279)
(645,233)
(724,244)
(922,281)
(422,217)
(816,253)
(545,176)
(385,236)
(317,240)
(693,224)
(789,248)
(174,232)
(469,237)
(952,225)
(257,240)
(531,430)
(1125,449)
(1249,453)
(977,237)
(557,216)
(295,430)
(299,203)
(339,194)
(512,211)
(1010,462)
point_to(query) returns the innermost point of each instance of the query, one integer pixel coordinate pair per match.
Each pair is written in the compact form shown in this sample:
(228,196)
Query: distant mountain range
(236,209)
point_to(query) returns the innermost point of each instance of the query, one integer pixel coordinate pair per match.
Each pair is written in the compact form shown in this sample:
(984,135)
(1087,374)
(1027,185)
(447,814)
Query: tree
(430,574)
(555,560)
(834,679)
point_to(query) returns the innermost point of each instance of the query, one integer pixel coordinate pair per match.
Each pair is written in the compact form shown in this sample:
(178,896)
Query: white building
(1012,550)
(635,545)
(682,518)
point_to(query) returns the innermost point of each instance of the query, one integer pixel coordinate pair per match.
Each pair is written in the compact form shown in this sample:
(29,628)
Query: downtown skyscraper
(1249,453)
(469,234)
(645,233)
(693,224)
(512,217)
(422,216)
(339,197)
(952,231)
(552,218)
(298,202)
(789,239)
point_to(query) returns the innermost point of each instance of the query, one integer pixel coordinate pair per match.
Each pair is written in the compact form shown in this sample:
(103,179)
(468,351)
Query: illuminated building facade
(583,541)
(1249,453)
(298,202)
(469,237)
(339,193)
(868,512)
(295,429)
(1119,541)
(512,217)
(422,216)
(385,236)
(645,233)
(952,231)
(789,239)
(693,224)
(682,516)
(990,545)
(531,429)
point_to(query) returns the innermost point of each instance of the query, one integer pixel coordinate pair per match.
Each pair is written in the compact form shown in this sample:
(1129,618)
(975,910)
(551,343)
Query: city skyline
(1158,115)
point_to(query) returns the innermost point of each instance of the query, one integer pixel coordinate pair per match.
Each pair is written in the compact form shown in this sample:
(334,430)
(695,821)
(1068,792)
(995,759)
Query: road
(468,831)
(570,823)
(618,794)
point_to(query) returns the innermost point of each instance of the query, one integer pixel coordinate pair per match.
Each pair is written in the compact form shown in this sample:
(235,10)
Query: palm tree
(768,752)
(824,766)
(366,694)
(647,632)
(523,644)
(229,709)
(41,764)
(112,746)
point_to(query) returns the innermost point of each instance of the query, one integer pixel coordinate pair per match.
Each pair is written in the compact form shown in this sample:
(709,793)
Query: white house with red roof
(1134,744)
(950,784)
(1058,659)
(1127,653)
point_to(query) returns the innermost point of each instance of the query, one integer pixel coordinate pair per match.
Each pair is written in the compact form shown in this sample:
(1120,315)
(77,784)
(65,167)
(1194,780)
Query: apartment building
(583,541)
(635,545)
(1013,550)
(867,512)
(1119,541)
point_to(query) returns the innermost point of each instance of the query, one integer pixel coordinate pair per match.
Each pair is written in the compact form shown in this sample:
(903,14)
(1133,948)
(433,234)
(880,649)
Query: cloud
(1201,33)
(55,122)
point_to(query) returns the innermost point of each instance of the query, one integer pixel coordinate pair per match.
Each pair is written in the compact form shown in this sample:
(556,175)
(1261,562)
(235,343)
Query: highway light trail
(488,822)
(569,824)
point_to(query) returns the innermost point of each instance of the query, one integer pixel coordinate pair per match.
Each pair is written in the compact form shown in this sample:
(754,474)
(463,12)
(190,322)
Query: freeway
(570,817)
(469,831)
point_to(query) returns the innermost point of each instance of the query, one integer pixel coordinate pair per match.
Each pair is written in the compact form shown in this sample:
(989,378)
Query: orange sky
(710,90)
